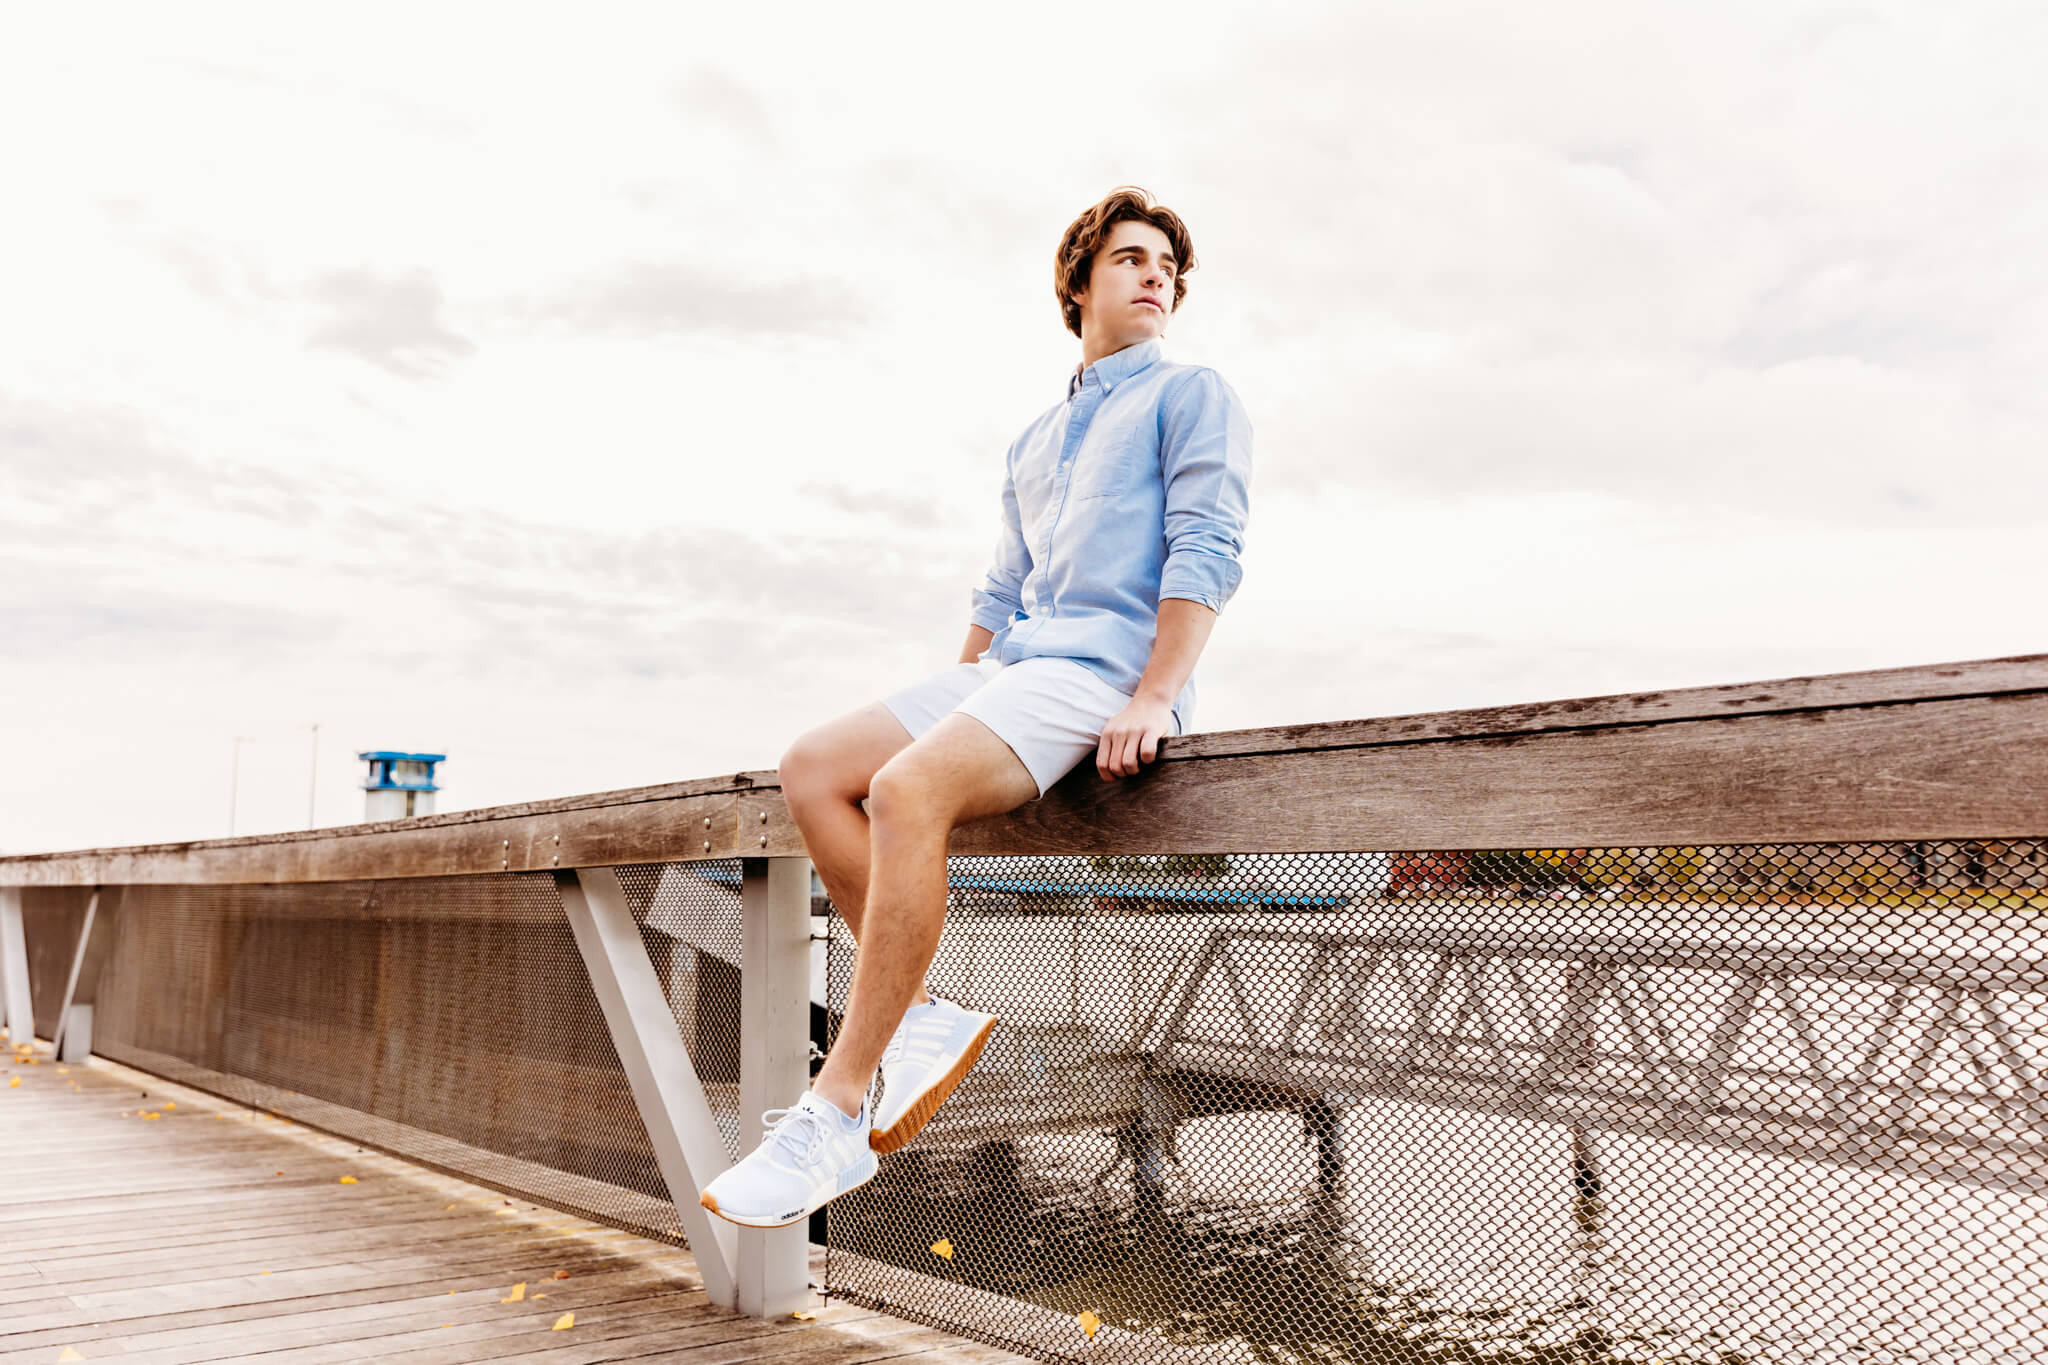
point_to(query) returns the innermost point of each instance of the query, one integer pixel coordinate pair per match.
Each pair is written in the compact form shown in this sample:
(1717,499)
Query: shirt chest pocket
(1111,461)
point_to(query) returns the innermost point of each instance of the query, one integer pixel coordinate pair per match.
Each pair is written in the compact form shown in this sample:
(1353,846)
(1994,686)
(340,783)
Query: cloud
(392,321)
(868,504)
(715,96)
(658,299)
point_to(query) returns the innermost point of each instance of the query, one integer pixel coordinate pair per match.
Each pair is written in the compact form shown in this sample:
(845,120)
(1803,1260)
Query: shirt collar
(1114,369)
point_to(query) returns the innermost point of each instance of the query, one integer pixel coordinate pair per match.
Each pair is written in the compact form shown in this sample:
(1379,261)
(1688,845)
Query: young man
(1124,510)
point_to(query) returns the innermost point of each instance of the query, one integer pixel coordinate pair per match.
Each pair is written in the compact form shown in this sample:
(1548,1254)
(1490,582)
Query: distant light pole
(235,781)
(313,776)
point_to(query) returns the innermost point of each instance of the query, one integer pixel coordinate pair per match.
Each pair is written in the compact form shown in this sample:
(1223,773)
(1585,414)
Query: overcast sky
(604,400)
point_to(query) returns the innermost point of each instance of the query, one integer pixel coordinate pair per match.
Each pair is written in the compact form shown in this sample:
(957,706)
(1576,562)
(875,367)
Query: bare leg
(825,775)
(957,772)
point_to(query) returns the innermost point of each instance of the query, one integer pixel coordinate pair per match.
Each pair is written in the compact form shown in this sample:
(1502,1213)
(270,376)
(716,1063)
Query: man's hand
(1132,735)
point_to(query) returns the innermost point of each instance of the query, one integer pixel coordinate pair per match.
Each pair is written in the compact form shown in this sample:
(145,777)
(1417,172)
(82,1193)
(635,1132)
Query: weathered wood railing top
(1941,751)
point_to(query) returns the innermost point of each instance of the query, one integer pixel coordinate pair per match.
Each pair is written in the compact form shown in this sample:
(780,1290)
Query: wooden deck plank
(424,1306)
(173,1240)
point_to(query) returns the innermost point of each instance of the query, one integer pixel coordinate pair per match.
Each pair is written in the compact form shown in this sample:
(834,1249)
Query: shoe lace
(798,1131)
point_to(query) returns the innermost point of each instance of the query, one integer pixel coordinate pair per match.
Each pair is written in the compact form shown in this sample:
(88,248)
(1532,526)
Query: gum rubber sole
(711,1203)
(887,1140)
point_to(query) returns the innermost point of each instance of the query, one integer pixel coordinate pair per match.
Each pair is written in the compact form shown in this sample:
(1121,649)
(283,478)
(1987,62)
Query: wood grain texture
(1985,677)
(654,830)
(1877,755)
(176,1239)
(1943,769)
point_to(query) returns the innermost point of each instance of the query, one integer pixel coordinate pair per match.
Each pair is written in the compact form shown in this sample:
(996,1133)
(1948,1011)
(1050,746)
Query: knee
(807,770)
(899,799)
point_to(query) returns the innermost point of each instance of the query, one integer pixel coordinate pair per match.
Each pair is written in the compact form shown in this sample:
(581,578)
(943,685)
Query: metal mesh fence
(1704,1105)
(448,1020)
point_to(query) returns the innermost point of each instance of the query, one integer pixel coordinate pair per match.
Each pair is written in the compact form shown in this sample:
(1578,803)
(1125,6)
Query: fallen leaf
(1089,1322)
(64,1071)
(804,1317)
(444,1211)
(16,1081)
(518,1293)
(70,1354)
(280,1172)
(170,1104)
(943,1248)
(561,1274)
(538,1297)
(348,1180)
(564,1323)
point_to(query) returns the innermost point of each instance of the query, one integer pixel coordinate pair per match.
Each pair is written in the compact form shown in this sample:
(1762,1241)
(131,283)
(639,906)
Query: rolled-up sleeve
(1206,459)
(1000,595)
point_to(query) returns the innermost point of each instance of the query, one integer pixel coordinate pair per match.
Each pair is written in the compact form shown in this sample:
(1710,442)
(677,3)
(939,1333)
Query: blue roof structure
(383,776)
(730,877)
(1167,892)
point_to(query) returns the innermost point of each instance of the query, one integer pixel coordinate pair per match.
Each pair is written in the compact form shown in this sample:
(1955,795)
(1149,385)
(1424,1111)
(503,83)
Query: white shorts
(1049,711)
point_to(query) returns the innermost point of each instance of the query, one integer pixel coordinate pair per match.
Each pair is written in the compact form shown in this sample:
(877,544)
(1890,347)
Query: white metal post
(21,1015)
(687,1145)
(775,1052)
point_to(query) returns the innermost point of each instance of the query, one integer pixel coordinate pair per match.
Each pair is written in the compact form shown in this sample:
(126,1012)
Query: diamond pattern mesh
(1701,1105)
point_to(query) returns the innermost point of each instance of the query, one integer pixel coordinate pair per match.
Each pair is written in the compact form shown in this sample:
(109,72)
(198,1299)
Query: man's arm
(1132,735)
(1000,594)
(1207,460)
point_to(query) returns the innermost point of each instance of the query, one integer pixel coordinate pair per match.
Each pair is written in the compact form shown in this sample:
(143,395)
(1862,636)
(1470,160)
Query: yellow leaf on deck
(1089,1322)
(348,1180)
(64,1071)
(16,1081)
(561,1274)
(538,1297)
(564,1323)
(70,1354)
(518,1293)
(804,1317)
(444,1210)
(943,1248)
(170,1104)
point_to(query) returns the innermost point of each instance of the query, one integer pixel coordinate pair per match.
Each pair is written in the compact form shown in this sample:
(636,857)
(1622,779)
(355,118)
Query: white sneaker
(936,1044)
(811,1155)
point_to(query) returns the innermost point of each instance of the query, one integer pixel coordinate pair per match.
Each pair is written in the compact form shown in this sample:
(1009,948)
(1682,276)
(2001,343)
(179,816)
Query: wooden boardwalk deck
(143,1221)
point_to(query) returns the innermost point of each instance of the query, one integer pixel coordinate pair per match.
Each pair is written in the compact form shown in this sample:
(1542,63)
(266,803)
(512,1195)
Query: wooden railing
(1939,752)
(1943,752)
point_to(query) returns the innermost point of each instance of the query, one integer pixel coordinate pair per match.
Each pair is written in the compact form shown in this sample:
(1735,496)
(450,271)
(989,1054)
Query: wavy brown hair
(1086,234)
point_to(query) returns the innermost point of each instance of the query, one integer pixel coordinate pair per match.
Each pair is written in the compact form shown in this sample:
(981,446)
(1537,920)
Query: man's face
(1130,287)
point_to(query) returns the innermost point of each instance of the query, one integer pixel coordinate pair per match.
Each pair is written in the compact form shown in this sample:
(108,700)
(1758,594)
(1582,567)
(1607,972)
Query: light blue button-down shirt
(1136,488)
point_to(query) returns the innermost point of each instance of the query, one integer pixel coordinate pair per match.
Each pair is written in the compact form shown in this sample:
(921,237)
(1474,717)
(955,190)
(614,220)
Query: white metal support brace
(92,906)
(21,1015)
(775,1053)
(687,1146)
